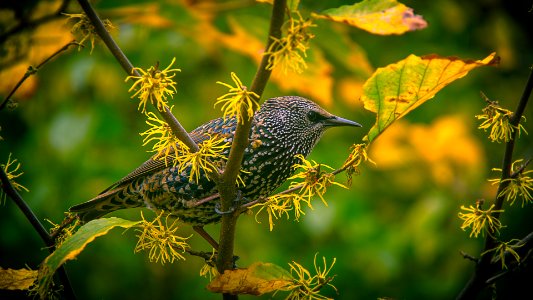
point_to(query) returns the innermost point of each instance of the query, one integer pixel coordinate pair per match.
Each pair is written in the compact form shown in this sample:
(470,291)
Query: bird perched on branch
(282,128)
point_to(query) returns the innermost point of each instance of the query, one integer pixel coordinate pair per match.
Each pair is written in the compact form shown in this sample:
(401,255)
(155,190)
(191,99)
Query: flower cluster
(154,85)
(306,286)
(238,102)
(357,155)
(161,240)
(166,143)
(497,119)
(85,28)
(278,205)
(209,267)
(315,181)
(287,51)
(518,185)
(11,175)
(480,220)
(207,159)
(504,247)
(60,232)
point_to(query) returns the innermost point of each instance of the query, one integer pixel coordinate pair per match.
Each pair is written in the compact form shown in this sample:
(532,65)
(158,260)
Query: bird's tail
(108,201)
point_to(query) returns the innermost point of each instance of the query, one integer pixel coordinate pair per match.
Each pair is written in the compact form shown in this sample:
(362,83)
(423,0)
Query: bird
(282,128)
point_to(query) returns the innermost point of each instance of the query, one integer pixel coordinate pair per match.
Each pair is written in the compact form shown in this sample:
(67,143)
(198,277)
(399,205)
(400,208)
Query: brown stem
(482,272)
(226,184)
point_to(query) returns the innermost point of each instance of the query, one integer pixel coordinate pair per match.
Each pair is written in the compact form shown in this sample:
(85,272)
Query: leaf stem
(482,272)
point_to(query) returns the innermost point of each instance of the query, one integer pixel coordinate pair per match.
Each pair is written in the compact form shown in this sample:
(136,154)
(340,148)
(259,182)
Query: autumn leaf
(397,89)
(21,279)
(258,279)
(75,244)
(381,17)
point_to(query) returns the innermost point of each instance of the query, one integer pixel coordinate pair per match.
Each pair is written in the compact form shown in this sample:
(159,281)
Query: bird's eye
(313,116)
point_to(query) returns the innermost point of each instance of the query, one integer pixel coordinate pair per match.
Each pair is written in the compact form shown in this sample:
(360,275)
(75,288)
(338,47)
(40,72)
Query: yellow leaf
(258,279)
(397,89)
(21,279)
(382,17)
(143,14)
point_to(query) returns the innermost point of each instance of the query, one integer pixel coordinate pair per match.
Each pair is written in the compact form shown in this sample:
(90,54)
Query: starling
(282,128)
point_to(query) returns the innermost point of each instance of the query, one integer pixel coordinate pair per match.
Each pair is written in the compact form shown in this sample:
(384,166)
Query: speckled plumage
(282,128)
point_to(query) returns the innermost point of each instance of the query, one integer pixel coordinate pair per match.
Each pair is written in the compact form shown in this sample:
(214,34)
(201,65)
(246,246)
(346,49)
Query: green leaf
(258,279)
(75,244)
(397,89)
(381,17)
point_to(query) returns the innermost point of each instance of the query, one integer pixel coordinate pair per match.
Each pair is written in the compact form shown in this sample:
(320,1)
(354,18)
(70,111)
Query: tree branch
(226,184)
(32,70)
(482,272)
(12,193)
(171,120)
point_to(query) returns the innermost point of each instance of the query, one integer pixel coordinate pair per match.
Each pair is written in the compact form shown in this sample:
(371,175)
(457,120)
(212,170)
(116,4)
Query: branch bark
(483,271)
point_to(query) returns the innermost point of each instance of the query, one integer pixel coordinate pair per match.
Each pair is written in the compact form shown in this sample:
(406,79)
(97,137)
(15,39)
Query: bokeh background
(395,233)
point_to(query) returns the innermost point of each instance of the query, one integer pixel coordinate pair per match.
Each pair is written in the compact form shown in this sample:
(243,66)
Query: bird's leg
(201,231)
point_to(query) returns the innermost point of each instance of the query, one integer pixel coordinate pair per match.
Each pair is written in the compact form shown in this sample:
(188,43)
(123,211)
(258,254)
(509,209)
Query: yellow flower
(209,268)
(161,240)
(85,28)
(11,175)
(60,232)
(497,120)
(288,52)
(306,286)
(357,155)
(275,206)
(480,220)
(209,158)
(166,143)
(315,181)
(520,184)
(154,85)
(502,248)
(238,101)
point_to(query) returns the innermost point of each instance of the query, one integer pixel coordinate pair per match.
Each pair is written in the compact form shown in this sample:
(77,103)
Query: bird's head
(298,121)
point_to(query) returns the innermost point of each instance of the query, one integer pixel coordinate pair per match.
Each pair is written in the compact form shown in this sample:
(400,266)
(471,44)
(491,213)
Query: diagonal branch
(171,120)
(12,193)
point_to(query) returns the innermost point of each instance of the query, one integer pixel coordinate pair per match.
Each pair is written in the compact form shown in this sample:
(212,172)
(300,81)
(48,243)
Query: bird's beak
(338,121)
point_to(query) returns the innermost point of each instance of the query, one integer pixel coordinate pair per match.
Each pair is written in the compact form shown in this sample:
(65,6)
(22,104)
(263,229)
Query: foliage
(399,219)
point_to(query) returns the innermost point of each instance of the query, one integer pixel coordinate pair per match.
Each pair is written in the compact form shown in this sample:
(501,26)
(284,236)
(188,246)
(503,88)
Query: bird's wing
(198,135)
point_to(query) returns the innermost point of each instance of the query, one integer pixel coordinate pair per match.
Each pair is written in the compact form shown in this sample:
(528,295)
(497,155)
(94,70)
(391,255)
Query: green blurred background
(395,232)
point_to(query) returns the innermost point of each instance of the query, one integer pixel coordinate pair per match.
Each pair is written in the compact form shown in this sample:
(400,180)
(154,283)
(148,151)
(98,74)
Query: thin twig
(482,272)
(32,70)
(23,25)
(177,128)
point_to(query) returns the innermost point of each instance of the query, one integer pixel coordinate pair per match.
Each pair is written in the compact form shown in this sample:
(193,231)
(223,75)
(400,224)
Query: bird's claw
(238,199)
